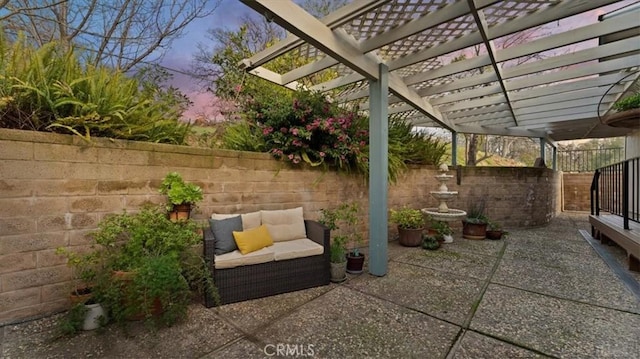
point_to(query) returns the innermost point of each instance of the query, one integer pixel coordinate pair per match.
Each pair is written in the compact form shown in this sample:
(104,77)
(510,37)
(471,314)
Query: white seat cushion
(236,259)
(285,225)
(296,248)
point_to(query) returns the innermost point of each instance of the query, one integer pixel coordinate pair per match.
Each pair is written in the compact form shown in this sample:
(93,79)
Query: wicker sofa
(250,281)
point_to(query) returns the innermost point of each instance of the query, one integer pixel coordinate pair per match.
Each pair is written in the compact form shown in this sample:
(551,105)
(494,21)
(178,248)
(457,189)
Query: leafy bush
(345,219)
(163,264)
(628,103)
(50,89)
(407,218)
(243,136)
(310,129)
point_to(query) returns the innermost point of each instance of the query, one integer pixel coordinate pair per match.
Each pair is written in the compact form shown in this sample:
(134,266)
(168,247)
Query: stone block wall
(576,191)
(54,190)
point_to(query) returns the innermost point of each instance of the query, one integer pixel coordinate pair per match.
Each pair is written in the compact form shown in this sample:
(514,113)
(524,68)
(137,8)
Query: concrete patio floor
(542,292)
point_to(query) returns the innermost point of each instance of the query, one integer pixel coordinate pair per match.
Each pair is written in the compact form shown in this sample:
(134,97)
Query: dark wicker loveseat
(271,278)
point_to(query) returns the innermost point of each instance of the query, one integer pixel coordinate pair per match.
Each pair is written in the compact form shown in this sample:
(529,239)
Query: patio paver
(556,326)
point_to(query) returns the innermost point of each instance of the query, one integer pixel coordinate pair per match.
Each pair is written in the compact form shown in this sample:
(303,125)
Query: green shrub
(312,130)
(50,89)
(243,136)
(628,103)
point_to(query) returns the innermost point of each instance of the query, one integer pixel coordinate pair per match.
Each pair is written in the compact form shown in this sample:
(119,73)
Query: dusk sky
(180,55)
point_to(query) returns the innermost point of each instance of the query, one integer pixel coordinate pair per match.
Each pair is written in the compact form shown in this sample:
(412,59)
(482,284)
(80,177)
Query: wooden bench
(609,228)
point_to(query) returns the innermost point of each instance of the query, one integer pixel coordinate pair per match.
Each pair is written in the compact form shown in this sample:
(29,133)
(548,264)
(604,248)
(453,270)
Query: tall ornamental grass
(51,89)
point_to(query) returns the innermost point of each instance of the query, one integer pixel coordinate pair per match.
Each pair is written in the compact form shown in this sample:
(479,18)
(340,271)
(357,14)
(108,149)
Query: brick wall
(576,191)
(54,189)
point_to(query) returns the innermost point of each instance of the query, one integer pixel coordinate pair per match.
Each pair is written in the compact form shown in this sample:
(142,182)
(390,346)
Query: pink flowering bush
(310,129)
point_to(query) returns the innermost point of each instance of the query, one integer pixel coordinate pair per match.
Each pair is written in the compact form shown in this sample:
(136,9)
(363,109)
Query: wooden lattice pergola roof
(553,83)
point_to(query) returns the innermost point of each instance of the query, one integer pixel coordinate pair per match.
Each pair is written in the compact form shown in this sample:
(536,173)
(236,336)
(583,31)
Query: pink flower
(322,154)
(290,156)
(284,130)
(296,160)
(238,88)
(294,131)
(267,130)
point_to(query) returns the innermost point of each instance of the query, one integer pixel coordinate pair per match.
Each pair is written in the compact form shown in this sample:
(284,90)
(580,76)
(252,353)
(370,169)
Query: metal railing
(588,160)
(616,189)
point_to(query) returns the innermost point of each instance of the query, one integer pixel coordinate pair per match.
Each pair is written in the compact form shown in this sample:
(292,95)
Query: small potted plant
(494,230)
(410,226)
(443,231)
(430,242)
(345,219)
(182,196)
(338,259)
(474,226)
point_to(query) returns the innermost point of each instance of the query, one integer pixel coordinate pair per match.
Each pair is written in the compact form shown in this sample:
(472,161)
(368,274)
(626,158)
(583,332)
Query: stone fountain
(443,212)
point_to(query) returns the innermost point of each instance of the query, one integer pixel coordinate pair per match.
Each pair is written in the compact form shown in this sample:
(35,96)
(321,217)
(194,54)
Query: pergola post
(543,154)
(378,171)
(555,158)
(454,148)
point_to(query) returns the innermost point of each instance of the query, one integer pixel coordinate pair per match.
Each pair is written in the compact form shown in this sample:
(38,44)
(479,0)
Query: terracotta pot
(496,234)
(126,278)
(410,237)
(474,230)
(355,263)
(180,212)
(80,295)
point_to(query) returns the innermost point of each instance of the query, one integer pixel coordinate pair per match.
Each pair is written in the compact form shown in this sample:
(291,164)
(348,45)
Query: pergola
(547,69)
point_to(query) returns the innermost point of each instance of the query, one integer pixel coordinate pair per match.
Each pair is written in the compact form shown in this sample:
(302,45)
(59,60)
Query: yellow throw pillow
(253,239)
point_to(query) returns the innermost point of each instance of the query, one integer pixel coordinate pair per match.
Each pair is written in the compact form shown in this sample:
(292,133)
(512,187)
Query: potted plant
(345,219)
(443,231)
(474,226)
(410,226)
(148,267)
(182,196)
(495,231)
(430,242)
(338,259)
(86,311)
(83,267)
(627,112)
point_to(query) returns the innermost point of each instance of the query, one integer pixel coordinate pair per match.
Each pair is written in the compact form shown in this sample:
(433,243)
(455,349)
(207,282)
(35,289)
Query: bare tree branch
(119,33)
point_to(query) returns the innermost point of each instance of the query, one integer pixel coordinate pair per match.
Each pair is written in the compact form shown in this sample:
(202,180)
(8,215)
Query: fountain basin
(451,215)
(443,195)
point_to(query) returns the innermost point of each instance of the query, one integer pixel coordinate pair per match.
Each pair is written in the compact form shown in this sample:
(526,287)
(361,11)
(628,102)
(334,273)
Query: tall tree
(117,33)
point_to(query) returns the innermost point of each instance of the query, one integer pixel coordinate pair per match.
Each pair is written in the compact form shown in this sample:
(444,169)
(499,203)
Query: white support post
(378,172)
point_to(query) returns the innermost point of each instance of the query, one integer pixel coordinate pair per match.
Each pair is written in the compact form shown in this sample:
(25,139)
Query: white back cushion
(285,225)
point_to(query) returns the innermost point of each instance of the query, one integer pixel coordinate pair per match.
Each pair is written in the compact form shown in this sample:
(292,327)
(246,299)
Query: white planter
(92,317)
(447,238)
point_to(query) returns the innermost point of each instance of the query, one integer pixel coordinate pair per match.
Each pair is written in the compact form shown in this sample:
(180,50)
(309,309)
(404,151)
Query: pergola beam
(333,20)
(341,47)
(488,43)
